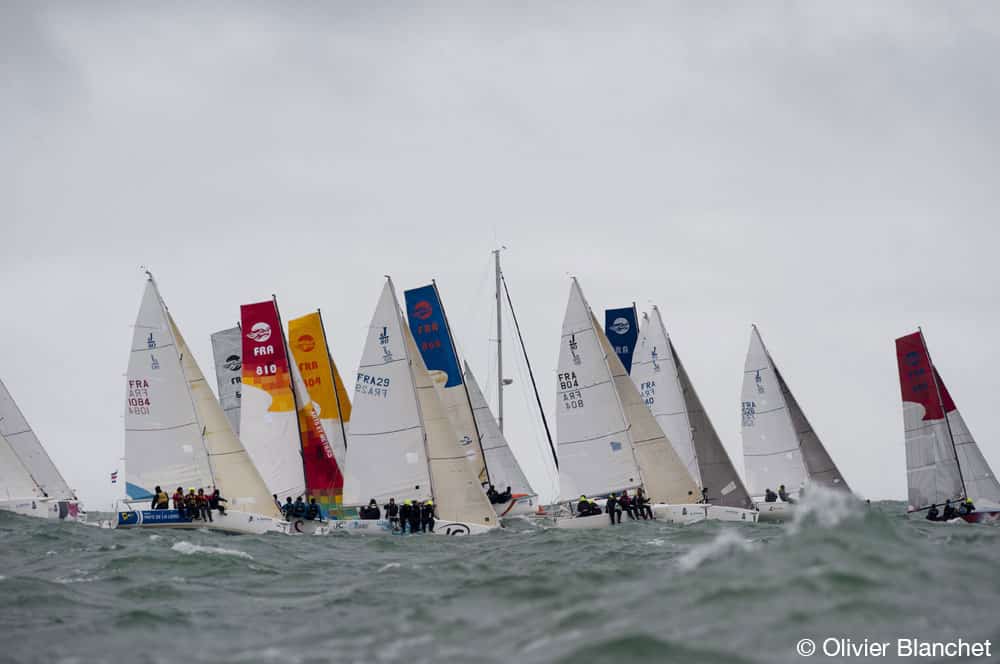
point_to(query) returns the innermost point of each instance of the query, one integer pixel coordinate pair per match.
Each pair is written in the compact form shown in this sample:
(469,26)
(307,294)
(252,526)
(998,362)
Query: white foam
(726,542)
(824,507)
(389,566)
(187,548)
(153,538)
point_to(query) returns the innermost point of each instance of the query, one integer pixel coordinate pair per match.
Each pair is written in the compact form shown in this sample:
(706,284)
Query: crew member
(642,507)
(191,505)
(949,512)
(414,516)
(313,512)
(505,496)
(215,502)
(427,516)
(627,505)
(392,512)
(704,495)
(178,499)
(784,495)
(404,516)
(288,509)
(160,500)
(933,514)
(299,508)
(770,496)
(613,509)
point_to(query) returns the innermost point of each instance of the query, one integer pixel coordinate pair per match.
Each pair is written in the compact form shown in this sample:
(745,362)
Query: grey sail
(822,470)
(718,474)
(227,349)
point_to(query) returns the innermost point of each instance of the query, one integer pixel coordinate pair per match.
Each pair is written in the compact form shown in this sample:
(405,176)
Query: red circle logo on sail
(423,310)
(305,343)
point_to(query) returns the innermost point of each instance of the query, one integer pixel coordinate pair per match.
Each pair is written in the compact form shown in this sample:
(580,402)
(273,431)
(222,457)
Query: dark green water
(642,592)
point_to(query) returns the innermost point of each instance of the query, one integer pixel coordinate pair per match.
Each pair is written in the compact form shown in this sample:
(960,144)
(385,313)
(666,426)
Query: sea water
(842,572)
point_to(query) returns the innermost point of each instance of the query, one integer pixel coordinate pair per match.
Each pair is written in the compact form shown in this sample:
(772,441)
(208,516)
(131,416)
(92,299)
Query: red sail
(915,377)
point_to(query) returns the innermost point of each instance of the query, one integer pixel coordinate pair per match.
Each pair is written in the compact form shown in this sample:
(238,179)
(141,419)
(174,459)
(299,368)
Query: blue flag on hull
(622,329)
(430,331)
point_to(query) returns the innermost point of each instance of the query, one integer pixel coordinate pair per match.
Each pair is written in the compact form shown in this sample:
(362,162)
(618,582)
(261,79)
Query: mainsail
(434,339)
(660,376)
(943,461)
(385,443)
(595,453)
(779,444)
(504,468)
(269,421)
(227,350)
(25,444)
(176,433)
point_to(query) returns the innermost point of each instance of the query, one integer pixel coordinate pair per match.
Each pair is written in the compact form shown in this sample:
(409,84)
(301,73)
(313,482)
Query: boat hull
(46,508)
(232,521)
(775,512)
(382,527)
(582,522)
(987,516)
(520,505)
(689,513)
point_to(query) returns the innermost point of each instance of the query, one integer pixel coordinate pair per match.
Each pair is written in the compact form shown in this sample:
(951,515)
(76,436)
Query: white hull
(775,512)
(45,508)
(521,505)
(383,527)
(580,522)
(697,512)
(232,522)
(298,526)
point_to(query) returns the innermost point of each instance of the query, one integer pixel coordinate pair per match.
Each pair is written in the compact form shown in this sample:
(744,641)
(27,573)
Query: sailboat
(943,461)
(279,423)
(664,385)
(30,484)
(780,447)
(608,439)
(401,443)
(227,351)
(176,434)
(433,336)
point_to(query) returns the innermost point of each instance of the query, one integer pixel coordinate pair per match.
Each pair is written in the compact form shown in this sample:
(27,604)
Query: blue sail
(622,329)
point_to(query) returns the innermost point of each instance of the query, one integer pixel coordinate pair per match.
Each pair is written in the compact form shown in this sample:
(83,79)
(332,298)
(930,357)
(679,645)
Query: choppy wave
(644,591)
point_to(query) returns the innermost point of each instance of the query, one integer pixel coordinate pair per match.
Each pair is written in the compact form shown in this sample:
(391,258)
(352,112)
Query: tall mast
(937,390)
(333,373)
(291,384)
(496,256)
(531,375)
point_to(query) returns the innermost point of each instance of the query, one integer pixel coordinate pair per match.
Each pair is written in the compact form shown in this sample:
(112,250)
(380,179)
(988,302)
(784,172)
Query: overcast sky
(826,170)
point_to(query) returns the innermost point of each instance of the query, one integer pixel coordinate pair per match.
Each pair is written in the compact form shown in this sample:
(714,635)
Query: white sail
(664,477)
(227,349)
(385,451)
(655,375)
(15,480)
(504,469)
(595,453)
(725,486)
(163,443)
(235,475)
(980,482)
(22,439)
(771,451)
(819,465)
(457,492)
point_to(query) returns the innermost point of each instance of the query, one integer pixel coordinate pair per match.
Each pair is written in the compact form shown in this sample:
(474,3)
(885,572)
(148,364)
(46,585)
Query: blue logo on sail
(616,446)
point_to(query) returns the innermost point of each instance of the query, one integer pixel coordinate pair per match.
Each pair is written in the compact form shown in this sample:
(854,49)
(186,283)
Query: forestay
(771,451)
(227,350)
(22,439)
(595,453)
(504,468)
(385,443)
(664,478)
